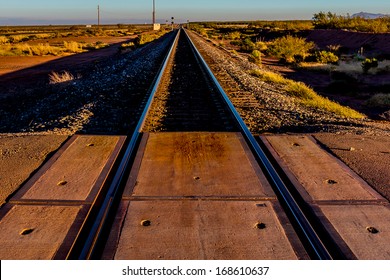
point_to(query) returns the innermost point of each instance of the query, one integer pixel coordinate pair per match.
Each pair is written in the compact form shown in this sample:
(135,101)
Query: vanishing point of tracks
(190,182)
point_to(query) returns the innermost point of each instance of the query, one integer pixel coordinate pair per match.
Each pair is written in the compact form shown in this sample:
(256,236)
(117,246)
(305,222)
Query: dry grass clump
(43,36)
(18,38)
(73,47)
(43,49)
(351,68)
(306,95)
(143,39)
(58,78)
(24,49)
(3,40)
(28,50)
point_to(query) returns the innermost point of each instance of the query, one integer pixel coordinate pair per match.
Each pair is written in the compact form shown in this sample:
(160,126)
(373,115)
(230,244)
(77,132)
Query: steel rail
(281,189)
(94,237)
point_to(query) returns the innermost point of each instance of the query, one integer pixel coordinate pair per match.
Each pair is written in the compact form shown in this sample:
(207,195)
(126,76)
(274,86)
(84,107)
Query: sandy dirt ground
(20,156)
(368,156)
(9,64)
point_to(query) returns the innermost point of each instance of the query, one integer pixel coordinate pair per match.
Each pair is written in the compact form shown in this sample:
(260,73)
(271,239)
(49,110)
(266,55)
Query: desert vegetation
(330,20)
(356,71)
(290,49)
(46,40)
(306,95)
(40,49)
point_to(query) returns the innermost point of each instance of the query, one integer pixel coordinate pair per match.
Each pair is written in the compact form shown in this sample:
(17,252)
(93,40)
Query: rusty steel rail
(310,235)
(87,245)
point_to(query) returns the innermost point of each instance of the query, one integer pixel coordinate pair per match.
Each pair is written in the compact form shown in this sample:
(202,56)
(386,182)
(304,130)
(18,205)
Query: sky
(30,12)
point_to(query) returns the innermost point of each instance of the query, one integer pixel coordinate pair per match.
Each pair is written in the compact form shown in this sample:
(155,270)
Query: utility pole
(154,11)
(98,15)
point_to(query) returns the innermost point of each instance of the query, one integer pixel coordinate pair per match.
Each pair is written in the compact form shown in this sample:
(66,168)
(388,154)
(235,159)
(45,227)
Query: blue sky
(19,12)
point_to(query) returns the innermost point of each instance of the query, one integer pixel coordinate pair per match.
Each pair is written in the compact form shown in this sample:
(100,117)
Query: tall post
(98,15)
(154,11)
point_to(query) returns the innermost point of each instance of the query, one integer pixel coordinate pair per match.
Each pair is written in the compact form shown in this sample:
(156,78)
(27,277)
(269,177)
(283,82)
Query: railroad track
(129,212)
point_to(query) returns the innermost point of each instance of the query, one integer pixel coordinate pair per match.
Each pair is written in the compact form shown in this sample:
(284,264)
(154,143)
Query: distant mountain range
(369,15)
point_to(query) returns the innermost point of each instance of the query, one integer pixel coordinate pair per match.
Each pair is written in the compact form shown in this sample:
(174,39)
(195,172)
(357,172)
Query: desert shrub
(261,46)
(326,57)
(248,45)
(234,35)
(127,46)
(255,57)
(379,100)
(143,39)
(369,63)
(290,49)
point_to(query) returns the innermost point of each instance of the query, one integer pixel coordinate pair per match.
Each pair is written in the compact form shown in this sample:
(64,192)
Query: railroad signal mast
(156,26)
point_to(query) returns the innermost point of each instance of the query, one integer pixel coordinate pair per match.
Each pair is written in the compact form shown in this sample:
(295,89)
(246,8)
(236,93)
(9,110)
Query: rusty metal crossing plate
(75,173)
(200,196)
(197,164)
(198,229)
(37,232)
(364,228)
(322,176)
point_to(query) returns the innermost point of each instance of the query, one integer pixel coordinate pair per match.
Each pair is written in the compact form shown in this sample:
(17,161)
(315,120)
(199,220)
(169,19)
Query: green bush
(290,49)
(326,57)
(247,45)
(255,57)
(369,63)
